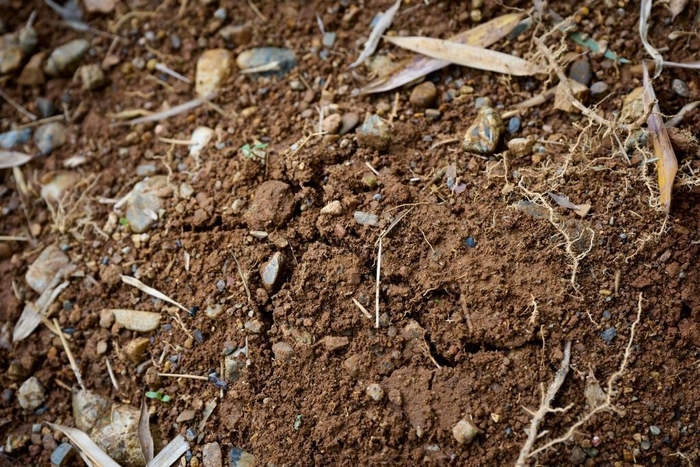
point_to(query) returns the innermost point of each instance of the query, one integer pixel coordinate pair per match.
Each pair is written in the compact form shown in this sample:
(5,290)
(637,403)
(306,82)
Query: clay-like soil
(466,332)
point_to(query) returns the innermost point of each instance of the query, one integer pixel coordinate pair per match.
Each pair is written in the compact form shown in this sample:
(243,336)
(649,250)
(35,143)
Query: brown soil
(493,319)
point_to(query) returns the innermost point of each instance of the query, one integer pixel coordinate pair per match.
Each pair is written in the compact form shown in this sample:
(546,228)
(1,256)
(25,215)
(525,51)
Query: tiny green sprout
(297,422)
(158,395)
(124,221)
(257,150)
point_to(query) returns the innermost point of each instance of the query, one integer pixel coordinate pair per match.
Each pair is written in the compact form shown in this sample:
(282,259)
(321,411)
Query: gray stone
(146,170)
(239,458)
(45,107)
(599,89)
(608,335)
(680,88)
(89,409)
(253,326)
(655,430)
(366,218)
(211,455)
(64,60)
(328,39)
(45,267)
(578,456)
(280,60)
(92,76)
(31,394)
(145,201)
(272,271)
(13,138)
(119,440)
(62,454)
(283,352)
(581,71)
(28,39)
(50,136)
(374,133)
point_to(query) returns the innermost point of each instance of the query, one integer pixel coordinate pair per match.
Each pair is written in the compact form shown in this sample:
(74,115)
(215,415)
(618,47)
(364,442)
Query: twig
(18,107)
(394,223)
(374,171)
(71,359)
(111,374)
(362,308)
(240,273)
(13,238)
(55,118)
(376,300)
(257,12)
(175,375)
(545,406)
(162,67)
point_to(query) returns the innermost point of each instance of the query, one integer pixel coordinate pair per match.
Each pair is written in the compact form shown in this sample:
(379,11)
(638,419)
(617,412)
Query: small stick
(174,375)
(240,273)
(376,300)
(395,109)
(18,107)
(13,238)
(257,12)
(183,142)
(71,359)
(111,374)
(374,171)
(55,118)
(396,221)
(362,308)
(163,68)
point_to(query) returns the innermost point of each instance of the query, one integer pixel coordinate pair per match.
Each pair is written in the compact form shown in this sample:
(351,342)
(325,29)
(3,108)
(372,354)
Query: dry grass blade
(382,25)
(144,432)
(467,55)
(667,164)
(71,358)
(677,7)
(132,281)
(678,118)
(483,35)
(177,110)
(170,453)
(9,159)
(644,16)
(686,65)
(86,446)
(33,313)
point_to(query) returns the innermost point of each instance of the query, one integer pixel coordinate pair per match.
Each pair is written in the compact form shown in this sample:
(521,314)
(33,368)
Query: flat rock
(213,69)
(273,206)
(185,416)
(270,60)
(99,6)
(145,201)
(45,267)
(64,60)
(335,342)
(136,320)
(366,218)
(120,438)
(50,136)
(239,458)
(374,133)
(89,409)
(211,455)
(63,454)
(31,394)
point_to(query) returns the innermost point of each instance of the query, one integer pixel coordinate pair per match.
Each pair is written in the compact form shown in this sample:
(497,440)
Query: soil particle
(283,352)
(374,133)
(272,207)
(333,343)
(375,392)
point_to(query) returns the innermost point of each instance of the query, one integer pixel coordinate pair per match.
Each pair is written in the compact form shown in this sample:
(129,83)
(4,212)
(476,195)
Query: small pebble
(239,458)
(349,122)
(198,336)
(424,95)
(365,218)
(185,416)
(144,201)
(214,311)
(483,135)
(374,133)
(44,268)
(464,432)
(599,89)
(680,88)
(10,58)
(64,60)
(220,14)
(45,107)
(285,60)
(31,394)
(432,114)
(334,208)
(175,41)
(655,430)
(375,391)
(328,39)
(521,146)
(577,457)
(253,326)
(135,349)
(514,125)
(92,76)
(211,455)
(608,335)
(213,69)
(335,342)
(190,434)
(238,34)
(271,272)
(62,454)
(581,71)
(50,136)
(15,138)
(470,242)
(332,124)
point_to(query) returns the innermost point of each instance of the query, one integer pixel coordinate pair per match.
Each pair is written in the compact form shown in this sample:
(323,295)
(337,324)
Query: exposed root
(605,404)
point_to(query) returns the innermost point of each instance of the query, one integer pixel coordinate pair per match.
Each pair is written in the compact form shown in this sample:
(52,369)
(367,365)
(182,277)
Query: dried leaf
(382,25)
(676,7)
(134,282)
(170,453)
(467,55)
(86,446)
(563,201)
(644,16)
(144,432)
(483,35)
(667,164)
(9,159)
(687,65)
(33,313)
